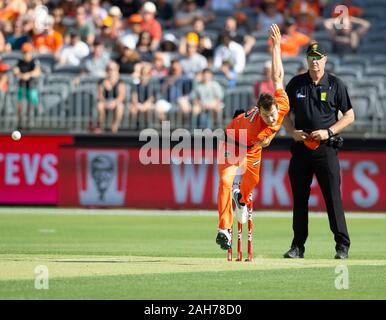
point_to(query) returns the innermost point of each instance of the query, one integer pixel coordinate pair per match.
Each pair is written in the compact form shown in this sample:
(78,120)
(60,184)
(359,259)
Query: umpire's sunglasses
(316,57)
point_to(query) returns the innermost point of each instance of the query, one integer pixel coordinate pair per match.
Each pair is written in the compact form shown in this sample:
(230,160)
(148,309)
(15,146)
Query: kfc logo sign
(101,177)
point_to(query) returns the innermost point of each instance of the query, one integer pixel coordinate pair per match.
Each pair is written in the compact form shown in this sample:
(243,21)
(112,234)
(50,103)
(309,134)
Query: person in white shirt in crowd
(73,53)
(169,47)
(230,51)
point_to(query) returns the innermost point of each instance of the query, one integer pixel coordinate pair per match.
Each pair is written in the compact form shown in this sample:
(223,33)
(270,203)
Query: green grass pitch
(150,254)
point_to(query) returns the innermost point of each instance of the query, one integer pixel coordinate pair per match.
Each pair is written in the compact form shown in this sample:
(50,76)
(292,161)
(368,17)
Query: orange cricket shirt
(257,129)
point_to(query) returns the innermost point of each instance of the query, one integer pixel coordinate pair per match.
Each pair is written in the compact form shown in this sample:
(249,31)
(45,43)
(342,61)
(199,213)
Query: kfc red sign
(93,177)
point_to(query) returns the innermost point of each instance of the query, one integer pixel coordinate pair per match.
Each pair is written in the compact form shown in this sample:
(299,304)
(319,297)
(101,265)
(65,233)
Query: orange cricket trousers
(250,166)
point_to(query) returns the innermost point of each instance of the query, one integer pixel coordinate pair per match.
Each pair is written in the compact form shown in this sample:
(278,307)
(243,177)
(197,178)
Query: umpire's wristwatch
(330,134)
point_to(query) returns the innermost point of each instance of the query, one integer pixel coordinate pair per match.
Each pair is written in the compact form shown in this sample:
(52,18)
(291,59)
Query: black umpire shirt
(316,106)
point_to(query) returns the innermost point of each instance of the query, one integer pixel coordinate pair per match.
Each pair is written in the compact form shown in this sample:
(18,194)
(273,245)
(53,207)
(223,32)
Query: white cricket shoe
(241,212)
(224,239)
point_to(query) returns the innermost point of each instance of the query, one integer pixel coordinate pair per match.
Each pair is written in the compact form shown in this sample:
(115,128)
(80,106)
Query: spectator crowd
(186,44)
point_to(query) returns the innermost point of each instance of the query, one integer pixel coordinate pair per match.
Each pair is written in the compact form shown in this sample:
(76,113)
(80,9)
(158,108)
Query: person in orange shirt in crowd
(49,41)
(292,40)
(260,124)
(150,24)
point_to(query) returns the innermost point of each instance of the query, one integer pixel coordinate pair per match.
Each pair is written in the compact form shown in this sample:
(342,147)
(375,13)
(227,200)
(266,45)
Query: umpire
(315,98)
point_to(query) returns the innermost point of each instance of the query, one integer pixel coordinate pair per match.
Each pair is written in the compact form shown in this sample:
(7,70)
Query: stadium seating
(11,58)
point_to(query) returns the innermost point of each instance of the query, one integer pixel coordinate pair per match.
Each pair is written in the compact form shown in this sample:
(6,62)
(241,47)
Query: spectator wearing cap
(73,53)
(244,39)
(165,12)
(269,15)
(85,28)
(111,96)
(231,51)
(115,14)
(150,24)
(106,34)
(193,62)
(169,47)
(48,41)
(205,45)
(144,46)
(185,17)
(265,85)
(96,63)
(292,40)
(16,36)
(347,35)
(27,71)
(130,38)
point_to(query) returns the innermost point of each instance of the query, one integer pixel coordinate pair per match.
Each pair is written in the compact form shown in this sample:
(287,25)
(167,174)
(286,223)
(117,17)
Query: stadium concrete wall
(107,172)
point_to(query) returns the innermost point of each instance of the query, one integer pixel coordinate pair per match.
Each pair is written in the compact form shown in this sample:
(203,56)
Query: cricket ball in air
(16,135)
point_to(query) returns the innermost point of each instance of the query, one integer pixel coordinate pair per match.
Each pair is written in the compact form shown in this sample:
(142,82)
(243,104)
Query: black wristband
(330,134)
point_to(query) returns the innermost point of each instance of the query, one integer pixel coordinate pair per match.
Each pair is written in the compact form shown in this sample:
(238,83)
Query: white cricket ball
(16,135)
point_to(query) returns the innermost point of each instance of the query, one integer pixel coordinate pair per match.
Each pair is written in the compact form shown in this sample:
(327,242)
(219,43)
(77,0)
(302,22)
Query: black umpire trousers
(324,163)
